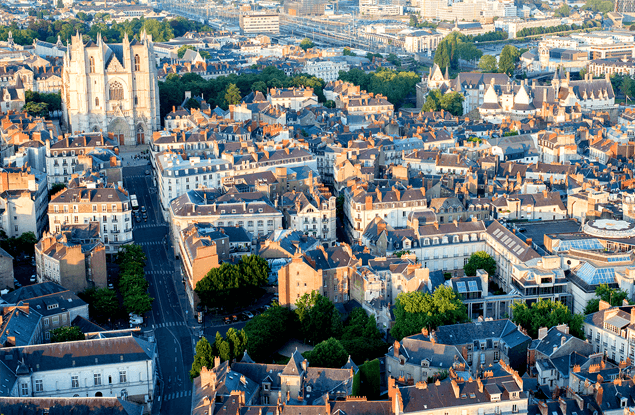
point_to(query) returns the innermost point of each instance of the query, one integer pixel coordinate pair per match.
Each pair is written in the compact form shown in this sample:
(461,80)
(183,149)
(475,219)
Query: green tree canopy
(508,59)
(613,296)
(232,95)
(347,52)
(488,64)
(480,260)
(204,357)
(546,313)
(267,332)
(416,310)
(306,43)
(328,353)
(66,334)
(367,380)
(36,109)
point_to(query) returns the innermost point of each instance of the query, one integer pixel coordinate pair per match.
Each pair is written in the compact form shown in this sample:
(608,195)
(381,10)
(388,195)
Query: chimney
(396,348)
(598,395)
(605,305)
(542,332)
(632,315)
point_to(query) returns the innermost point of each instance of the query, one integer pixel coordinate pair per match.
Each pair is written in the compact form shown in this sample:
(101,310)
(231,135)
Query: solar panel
(473,286)
(461,287)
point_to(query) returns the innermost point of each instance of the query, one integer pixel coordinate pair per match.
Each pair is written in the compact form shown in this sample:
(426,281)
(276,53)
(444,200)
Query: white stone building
(325,69)
(111,87)
(109,206)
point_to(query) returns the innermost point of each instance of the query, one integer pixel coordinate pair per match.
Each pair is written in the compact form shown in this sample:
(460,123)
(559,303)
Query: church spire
(447,74)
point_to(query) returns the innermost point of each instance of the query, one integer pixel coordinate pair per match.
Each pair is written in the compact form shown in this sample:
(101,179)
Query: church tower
(111,88)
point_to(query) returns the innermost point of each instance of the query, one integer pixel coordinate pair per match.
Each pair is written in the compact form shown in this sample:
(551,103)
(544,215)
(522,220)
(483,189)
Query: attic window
(463,396)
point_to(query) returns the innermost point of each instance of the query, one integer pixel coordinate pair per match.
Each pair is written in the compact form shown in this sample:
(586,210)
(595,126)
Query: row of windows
(39,383)
(104,208)
(137,64)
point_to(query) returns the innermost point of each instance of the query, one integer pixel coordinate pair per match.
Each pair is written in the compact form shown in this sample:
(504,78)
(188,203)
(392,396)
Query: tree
(315,316)
(414,21)
(433,101)
(232,95)
(66,334)
(328,353)
(487,64)
(254,269)
(613,296)
(181,51)
(204,357)
(507,61)
(105,303)
(563,11)
(137,301)
(546,313)
(205,54)
(347,52)
(627,86)
(480,260)
(441,56)
(267,332)
(192,103)
(367,380)
(306,43)
(416,310)
(60,4)
(129,254)
(468,52)
(392,58)
(36,109)
(259,86)
(237,341)
(56,188)
(452,102)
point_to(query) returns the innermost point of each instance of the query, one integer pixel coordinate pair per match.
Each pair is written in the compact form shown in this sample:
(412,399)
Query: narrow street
(168,319)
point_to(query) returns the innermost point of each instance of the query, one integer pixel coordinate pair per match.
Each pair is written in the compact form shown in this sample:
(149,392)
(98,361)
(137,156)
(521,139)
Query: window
(24,389)
(75,381)
(97,378)
(116,91)
(56,319)
(97,101)
(515,409)
(92,64)
(46,321)
(137,63)
(122,376)
(38,385)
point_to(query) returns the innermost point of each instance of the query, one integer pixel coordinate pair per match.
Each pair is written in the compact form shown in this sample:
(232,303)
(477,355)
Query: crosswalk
(168,324)
(160,272)
(150,243)
(149,225)
(177,395)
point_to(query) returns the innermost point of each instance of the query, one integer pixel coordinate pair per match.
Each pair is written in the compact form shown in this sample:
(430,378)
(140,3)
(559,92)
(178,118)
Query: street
(168,319)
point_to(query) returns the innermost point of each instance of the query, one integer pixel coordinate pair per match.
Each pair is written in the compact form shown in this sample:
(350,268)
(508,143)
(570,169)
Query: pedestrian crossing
(150,243)
(168,324)
(149,225)
(160,272)
(177,395)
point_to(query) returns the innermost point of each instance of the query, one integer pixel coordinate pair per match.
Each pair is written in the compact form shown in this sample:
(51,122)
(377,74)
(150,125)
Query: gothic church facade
(111,88)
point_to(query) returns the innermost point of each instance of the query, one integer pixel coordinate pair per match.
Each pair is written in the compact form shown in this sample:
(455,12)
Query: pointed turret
(447,74)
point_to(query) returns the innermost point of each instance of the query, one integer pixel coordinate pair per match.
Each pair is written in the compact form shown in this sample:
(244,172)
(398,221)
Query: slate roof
(459,334)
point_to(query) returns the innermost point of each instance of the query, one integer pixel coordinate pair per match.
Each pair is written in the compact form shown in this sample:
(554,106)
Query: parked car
(143,209)
(234,318)
(32,279)
(227,320)
(248,314)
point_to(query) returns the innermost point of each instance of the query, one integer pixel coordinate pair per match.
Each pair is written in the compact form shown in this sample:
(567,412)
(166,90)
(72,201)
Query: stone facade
(111,87)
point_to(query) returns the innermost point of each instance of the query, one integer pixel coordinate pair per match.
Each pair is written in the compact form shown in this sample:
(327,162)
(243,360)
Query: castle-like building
(111,88)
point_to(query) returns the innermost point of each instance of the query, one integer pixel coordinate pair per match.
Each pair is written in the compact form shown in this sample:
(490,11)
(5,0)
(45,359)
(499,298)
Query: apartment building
(293,98)
(328,70)
(23,201)
(37,310)
(121,367)
(325,270)
(539,206)
(198,251)
(610,331)
(251,210)
(361,206)
(70,154)
(312,212)
(109,206)
(75,257)
(259,23)
(177,174)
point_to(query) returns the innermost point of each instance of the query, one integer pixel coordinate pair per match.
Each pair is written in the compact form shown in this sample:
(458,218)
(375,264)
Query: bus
(133,202)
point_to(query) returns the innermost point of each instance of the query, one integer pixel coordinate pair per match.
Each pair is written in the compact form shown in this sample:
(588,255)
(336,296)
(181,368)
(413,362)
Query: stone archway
(120,129)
